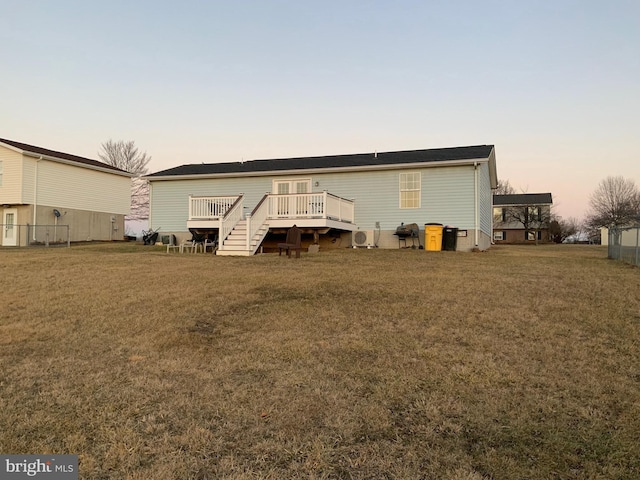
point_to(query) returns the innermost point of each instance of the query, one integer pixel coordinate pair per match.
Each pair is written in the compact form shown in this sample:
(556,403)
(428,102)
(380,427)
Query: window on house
(499,215)
(530,235)
(498,235)
(534,213)
(410,190)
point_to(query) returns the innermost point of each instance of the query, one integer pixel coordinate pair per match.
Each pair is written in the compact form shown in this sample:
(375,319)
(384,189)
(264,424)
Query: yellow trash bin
(433,237)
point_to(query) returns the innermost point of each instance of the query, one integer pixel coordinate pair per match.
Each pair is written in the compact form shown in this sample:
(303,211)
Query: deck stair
(236,243)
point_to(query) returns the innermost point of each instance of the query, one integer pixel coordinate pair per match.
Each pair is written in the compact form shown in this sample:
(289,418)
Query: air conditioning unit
(363,238)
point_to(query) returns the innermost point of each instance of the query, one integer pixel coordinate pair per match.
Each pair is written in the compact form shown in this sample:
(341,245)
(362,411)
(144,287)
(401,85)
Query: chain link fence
(35,235)
(624,244)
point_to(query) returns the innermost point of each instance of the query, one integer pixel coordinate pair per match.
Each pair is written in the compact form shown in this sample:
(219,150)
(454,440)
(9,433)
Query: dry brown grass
(521,362)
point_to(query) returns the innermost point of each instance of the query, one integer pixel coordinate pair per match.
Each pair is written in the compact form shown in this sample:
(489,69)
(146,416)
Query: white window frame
(499,236)
(414,188)
(293,184)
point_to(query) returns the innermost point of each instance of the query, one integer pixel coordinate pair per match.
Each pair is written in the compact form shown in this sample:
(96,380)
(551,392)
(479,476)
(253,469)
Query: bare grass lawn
(520,362)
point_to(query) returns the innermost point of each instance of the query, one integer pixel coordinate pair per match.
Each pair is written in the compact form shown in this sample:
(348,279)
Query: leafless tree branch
(615,203)
(127,157)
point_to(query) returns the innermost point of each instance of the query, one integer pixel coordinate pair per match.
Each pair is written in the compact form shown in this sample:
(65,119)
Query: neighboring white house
(246,203)
(41,188)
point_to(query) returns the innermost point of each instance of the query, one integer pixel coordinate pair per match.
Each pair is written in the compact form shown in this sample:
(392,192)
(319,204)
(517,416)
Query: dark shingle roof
(332,161)
(523,199)
(63,156)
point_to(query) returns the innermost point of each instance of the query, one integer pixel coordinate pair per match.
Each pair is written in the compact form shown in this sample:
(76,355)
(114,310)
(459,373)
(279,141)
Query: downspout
(35,197)
(475,200)
(151,202)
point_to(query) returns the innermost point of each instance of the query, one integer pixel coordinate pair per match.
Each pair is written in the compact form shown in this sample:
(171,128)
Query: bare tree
(139,199)
(615,203)
(127,157)
(533,218)
(504,188)
(561,229)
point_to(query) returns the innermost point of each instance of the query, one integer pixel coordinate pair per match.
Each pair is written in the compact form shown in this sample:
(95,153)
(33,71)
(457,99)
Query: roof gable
(331,161)
(53,155)
(523,199)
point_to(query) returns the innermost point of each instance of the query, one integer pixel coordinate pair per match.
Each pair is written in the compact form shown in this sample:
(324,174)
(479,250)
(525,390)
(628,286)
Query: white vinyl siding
(410,190)
(10,188)
(485,199)
(60,185)
(446,196)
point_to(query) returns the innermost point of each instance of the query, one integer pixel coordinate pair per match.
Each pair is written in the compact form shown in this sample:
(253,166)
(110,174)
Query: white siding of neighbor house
(447,196)
(66,186)
(485,199)
(10,190)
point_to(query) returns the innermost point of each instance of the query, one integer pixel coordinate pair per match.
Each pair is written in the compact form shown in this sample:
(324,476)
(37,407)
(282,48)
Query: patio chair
(172,245)
(197,240)
(294,238)
(211,243)
(186,245)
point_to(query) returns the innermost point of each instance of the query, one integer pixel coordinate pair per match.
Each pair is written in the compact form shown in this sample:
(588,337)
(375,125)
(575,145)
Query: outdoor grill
(412,231)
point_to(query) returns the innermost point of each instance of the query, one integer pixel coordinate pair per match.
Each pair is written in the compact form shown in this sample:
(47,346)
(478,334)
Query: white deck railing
(286,206)
(311,205)
(207,207)
(339,208)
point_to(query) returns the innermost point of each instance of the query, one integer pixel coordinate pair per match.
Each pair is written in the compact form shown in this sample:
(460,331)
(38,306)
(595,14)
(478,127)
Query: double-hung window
(410,190)
(534,214)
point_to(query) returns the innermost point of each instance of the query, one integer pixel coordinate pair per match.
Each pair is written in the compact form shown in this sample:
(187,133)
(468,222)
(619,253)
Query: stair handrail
(256,219)
(229,220)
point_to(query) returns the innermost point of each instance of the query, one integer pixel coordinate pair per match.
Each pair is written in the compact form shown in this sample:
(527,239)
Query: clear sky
(553,84)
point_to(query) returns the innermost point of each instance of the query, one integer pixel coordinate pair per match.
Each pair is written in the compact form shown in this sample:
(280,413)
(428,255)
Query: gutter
(35,197)
(306,171)
(475,201)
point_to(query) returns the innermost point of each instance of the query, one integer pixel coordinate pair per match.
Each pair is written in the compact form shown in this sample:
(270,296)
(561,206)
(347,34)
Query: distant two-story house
(521,218)
(41,189)
(355,200)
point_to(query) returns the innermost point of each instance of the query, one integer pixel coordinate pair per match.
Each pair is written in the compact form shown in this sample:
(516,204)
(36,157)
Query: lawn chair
(211,243)
(172,245)
(197,240)
(294,238)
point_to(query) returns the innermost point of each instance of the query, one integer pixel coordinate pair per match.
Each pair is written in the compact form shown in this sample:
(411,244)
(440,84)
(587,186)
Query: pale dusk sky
(554,84)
